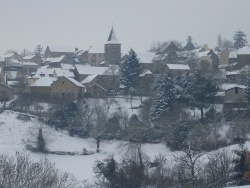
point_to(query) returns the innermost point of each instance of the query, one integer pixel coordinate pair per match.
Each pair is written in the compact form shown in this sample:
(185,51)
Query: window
(62,82)
(42,75)
(236,90)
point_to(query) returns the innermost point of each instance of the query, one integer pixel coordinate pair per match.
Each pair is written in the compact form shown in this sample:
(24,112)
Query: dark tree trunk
(98,140)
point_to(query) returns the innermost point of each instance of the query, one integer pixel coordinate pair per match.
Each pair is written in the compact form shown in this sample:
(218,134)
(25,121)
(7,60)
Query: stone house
(32,58)
(6,58)
(41,87)
(234,96)
(243,57)
(96,91)
(66,88)
(95,58)
(83,71)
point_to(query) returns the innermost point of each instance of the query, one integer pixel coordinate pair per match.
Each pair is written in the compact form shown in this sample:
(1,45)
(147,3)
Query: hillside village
(70,75)
(189,98)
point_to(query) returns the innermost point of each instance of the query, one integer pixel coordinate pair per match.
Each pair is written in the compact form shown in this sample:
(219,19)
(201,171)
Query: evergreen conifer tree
(130,70)
(189,46)
(41,143)
(247,90)
(240,166)
(201,92)
(239,39)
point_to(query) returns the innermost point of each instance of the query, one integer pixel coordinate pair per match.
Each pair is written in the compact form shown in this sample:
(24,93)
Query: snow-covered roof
(232,54)
(220,94)
(15,61)
(8,55)
(89,78)
(178,67)
(44,73)
(74,81)
(98,86)
(29,63)
(244,51)
(112,39)
(146,71)
(232,73)
(55,59)
(44,82)
(88,70)
(203,54)
(227,86)
(28,57)
(60,72)
(67,66)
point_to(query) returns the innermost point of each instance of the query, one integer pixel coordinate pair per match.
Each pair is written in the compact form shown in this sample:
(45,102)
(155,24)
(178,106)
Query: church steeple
(112,39)
(112,49)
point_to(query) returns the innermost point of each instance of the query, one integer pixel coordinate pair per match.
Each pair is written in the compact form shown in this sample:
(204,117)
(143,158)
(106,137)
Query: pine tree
(41,143)
(189,46)
(38,51)
(130,70)
(166,95)
(239,39)
(240,166)
(247,90)
(201,92)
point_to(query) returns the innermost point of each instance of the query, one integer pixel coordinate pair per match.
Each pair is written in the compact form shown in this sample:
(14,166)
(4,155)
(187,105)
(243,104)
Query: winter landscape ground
(14,135)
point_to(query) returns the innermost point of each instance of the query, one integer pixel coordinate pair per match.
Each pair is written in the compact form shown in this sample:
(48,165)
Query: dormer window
(51,75)
(42,74)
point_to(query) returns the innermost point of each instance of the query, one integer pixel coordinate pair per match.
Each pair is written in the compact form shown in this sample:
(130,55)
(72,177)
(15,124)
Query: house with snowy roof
(32,58)
(235,97)
(66,88)
(243,57)
(105,78)
(10,56)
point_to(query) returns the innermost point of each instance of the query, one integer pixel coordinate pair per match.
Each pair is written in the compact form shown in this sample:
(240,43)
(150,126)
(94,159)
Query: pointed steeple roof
(112,38)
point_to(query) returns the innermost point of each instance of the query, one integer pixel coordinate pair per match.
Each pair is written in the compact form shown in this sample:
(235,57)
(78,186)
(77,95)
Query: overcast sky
(137,23)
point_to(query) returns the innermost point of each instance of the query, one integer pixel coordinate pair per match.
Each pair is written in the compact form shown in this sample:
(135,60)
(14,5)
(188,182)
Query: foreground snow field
(14,132)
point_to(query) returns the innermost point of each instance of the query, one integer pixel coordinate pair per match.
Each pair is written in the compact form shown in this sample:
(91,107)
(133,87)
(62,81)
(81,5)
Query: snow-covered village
(112,94)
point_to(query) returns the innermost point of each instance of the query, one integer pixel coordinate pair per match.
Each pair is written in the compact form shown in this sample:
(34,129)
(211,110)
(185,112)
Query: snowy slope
(14,132)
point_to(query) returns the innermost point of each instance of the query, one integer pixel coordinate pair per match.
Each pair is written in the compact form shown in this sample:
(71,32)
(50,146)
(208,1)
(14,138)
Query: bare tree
(191,161)
(20,172)
(218,169)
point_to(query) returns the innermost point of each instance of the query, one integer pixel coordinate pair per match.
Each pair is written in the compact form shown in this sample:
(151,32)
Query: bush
(20,172)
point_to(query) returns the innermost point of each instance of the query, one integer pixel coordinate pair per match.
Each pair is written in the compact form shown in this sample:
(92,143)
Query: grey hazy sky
(137,23)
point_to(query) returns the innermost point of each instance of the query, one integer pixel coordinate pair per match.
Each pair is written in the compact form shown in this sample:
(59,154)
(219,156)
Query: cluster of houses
(70,74)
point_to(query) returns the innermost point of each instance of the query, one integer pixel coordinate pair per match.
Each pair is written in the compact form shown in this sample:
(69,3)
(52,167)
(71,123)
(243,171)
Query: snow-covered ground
(14,132)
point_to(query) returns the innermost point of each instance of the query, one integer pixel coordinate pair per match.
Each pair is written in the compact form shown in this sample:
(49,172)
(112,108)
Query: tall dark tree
(41,143)
(130,70)
(168,91)
(201,92)
(239,167)
(247,89)
(189,46)
(239,39)
(39,50)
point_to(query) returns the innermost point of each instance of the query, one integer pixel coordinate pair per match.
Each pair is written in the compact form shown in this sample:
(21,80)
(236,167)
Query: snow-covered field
(14,132)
